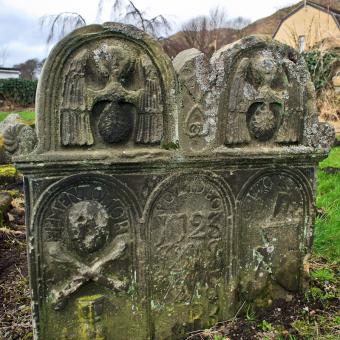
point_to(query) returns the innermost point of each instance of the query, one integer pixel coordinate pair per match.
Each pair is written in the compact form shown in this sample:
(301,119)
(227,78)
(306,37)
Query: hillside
(178,42)
(268,25)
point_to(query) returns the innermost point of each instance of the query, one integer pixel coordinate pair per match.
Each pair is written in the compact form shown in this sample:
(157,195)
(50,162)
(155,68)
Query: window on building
(301,43)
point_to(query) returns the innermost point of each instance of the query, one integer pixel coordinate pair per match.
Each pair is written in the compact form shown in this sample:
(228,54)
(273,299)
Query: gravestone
(160,197)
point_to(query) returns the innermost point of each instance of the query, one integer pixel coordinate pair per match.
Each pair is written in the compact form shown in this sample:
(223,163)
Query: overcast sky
(22,37)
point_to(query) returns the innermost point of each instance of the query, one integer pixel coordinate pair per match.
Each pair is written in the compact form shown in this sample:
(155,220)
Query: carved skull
(87,227)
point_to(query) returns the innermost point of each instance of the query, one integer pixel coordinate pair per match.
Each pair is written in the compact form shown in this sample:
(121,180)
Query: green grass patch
(333,160)
(323,274)
(327,226)
(3,115)
(27,117)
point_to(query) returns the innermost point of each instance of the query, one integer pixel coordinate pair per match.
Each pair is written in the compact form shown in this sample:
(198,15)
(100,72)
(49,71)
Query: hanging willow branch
(123,10)
(60,24)
(129,13)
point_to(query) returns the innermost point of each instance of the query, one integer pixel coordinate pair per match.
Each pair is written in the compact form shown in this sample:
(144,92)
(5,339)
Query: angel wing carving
(239,99)
(290,130)
(75,126)
(150,109)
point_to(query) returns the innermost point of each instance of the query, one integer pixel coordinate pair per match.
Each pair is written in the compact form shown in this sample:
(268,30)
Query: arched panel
(274,221)
(189,228)
(86,240)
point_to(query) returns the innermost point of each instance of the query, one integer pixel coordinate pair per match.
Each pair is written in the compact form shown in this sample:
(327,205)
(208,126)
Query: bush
(18,91)
(320,65)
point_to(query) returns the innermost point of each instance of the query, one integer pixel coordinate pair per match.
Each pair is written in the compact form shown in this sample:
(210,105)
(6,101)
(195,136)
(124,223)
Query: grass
(321,322)
(25,116)
(333,160)
(327,226)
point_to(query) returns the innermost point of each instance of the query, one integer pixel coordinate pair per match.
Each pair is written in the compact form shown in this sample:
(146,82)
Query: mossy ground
(15,312)
(315,315)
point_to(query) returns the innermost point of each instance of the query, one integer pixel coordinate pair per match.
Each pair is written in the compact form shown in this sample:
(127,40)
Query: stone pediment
(111,91)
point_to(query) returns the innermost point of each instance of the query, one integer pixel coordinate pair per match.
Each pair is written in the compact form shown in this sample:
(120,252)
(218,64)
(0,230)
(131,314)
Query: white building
(6,73)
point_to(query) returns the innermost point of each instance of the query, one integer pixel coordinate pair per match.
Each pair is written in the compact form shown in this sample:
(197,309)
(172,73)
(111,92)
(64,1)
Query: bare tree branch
(60,24)
(204,32)
(238,23)
(128,12)
(122,10)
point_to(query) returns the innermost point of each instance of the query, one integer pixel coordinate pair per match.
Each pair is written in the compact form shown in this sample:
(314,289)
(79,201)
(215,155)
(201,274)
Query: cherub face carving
(111,95)
(87,226)
(106,64)
(264,69)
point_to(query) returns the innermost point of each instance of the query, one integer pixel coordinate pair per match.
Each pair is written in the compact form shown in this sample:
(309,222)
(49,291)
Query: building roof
(331,11)
(9,69)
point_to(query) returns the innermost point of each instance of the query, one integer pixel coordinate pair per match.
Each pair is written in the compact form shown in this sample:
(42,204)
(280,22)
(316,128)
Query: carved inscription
(84,210)
(273,211)
(87,229)
(188,231)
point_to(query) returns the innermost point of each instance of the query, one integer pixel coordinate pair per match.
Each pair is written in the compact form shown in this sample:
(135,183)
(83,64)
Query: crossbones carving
(85,273)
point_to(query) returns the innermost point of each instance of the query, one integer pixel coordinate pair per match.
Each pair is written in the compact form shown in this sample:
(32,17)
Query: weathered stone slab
(254,92)
(160,198)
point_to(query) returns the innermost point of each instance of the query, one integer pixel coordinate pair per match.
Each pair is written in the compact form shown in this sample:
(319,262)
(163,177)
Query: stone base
(158,251)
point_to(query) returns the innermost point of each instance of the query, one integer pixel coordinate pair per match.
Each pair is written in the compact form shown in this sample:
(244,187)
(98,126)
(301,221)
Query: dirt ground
(15,313)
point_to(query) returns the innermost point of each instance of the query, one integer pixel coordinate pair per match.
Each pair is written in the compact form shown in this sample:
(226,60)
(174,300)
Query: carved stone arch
(189,221)
(258,70)
(274,218)
(83,221)
(158,106)
(208,175)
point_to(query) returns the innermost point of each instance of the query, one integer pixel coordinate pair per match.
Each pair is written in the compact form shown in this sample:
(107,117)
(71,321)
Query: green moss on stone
(171,146)
(8,171)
